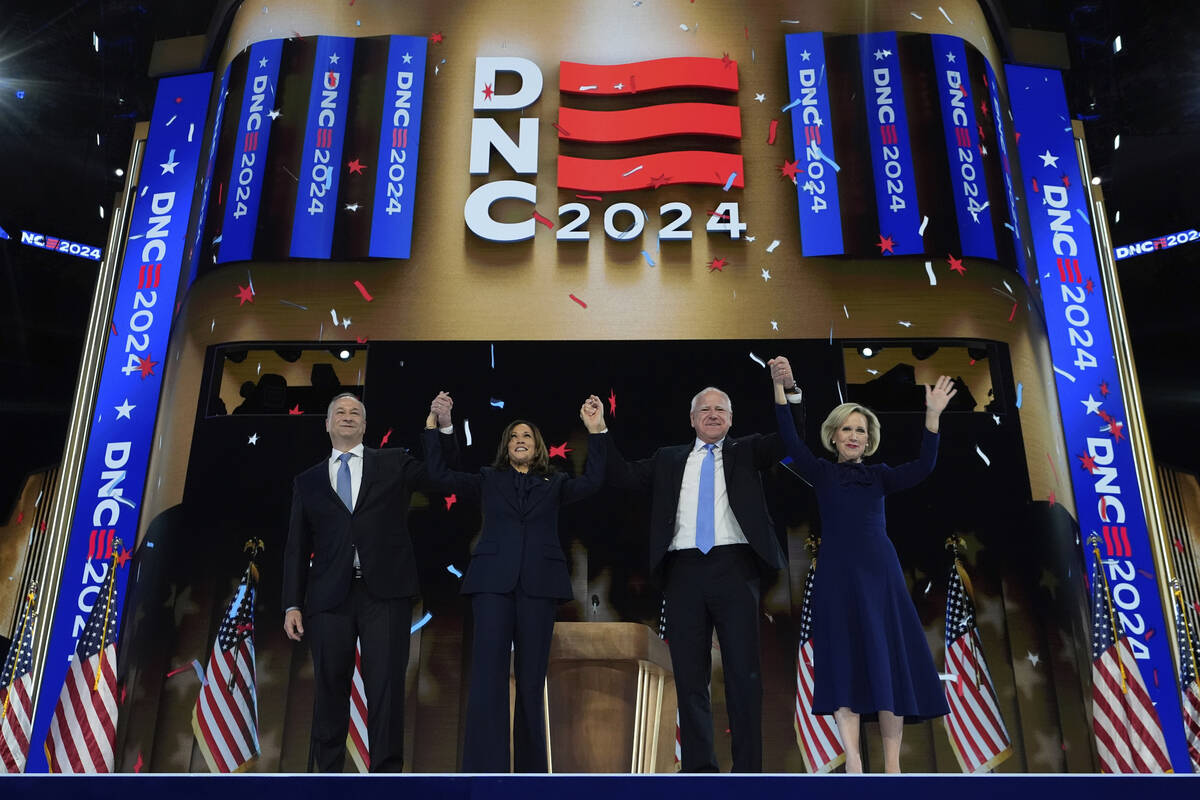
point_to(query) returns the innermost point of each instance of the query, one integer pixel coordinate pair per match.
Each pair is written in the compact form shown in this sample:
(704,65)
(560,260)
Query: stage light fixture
(866,351)
(120,173)
(1095,180)
(344,355)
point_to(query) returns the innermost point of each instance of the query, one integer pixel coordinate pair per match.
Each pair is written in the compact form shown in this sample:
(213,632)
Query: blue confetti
(1019,386)
(496,402)
(20,94)
(453,570)
(493,356)
(791,105)
(3,234)
(1083,214)
(420,623)
(728,182)
(649,260)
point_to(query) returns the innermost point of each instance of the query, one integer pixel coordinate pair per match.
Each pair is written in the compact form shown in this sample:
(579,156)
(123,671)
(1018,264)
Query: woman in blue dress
(870,654)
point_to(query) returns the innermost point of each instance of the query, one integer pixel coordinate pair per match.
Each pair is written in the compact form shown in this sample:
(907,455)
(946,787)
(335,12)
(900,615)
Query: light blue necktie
(343,481)
(705,527)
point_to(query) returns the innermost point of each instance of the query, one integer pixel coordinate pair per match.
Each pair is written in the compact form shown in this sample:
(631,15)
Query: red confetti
(122,694)
(885,244)
(147,367)
(1145,574)
(774,129)
(956,264)
(1103,506)
(244,295)
(42,526)
(137,766)
(560,450)
(221,193)
(361,339)
(1052,499)
(451,500)
(747,34)
(972,362)
(1087,462)
(1154,672)
(1090,286)
(612,402)
(589,197)
(790,169)
(538,217)
(436,38)
(1148,635)
(577,300)
(717,264)
(726,60)
(124,557)
(20,516)
(363,291)
(488,91)
(1178,544)
(1035,186)
(114,328)
(1012,313)
(1104,390)
(1018,135)
(1066,180)
(1115,429)
(295,411)
(561,130)
(983,107)
(178,670)
(385,438)
(662,179)
(356,166)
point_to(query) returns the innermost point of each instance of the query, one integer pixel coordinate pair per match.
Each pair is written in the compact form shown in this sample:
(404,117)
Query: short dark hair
(329,410)
(541,456)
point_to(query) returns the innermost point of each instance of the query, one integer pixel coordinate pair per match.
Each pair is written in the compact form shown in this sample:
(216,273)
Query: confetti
(717,265)
(1020,386)
(924,222)
(496,402)
(453,570)
(1065,374)
(944,14)
(295,411)
(577,300)
(771,247)
(915,14)
(649,260)
(683,27)
(288,303)
(589,197)
(766,275)
(846,312)
(612,401)
(450,499)
(333,314)
(422,622)
(1012,313)
(244,295)
(904,322)
(635,169)
(137,765)
(758,360)
(790,106)
(983,456)
(363,291)
(252,439)
(873,371)
(929,272)
(560,450)
(467,431)
(539,218)
(729,181)
(385,438)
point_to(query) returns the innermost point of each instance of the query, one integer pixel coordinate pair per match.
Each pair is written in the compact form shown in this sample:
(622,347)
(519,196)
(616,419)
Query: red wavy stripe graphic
(647,76)
(650,171)
(630,125)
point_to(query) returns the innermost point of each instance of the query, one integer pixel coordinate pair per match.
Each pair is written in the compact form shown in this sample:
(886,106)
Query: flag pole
(1094,541)
(112,583)
(25,621)
(1187,628)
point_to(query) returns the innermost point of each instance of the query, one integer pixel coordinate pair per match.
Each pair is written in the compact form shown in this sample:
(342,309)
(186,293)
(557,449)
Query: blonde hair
(839,415)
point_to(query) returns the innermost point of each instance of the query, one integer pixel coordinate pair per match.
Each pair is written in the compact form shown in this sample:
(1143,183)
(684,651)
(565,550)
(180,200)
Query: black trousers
(523,626)
(719,589)
(382,626)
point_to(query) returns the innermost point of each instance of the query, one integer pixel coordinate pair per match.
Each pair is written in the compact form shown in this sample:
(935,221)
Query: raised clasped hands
(937,397)
(592,414)
(439,411)
(781,372)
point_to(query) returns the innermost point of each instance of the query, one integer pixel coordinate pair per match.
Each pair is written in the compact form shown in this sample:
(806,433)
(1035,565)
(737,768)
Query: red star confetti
(773,130)
(717,264)
(363,291)
(956,264)
(137,765)
(1178,544)
(361,339)
(295,411)
(1116,429)
(726,60)
(1090,286)
(42,526)
(612,402)
(245,295)
(560,450)
(436,38)
(451,500)
(657,181)
(124,557)
(488,91)
(539,218)
(1052,499)
(385,438)
(1087,462)
(20,516)
(577,300)
(885,245)
(1104,390)
(790,169)
(146,367)
(983,107)
(356,166)
(1017,134)
(1066,180)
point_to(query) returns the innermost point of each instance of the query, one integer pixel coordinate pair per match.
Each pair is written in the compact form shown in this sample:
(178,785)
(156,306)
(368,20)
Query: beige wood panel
(17,537)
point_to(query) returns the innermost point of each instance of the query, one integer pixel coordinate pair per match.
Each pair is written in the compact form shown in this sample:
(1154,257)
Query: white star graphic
(408,58)
(170,164)
(262,62)
(1092,404)
(751,238)
(273,113)
(760,97)
(766,275)
(1032,658)
(1048,160)
(124,409)
(253,439)
(345,322)
(804,56)
(333,58)
(950,58)
(618,86)
(352,207)
(879,55)
(887,53)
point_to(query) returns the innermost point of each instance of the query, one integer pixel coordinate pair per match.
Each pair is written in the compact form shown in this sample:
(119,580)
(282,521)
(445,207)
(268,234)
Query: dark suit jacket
(519,542)
(743,457)
(322,526)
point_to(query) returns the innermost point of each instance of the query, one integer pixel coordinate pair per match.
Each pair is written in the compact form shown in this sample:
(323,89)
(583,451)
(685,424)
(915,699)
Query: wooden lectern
(610,699)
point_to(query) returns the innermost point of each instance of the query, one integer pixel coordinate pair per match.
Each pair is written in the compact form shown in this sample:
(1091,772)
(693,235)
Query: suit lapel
(508,488)
(728,454)
(370,471)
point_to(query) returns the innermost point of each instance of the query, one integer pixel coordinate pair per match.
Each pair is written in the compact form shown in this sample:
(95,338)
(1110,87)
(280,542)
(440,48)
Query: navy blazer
(518,543)
(744,459)
(318,562)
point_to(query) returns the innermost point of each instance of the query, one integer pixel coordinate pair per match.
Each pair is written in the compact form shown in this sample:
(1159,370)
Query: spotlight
(1095,180)
(866,351)
(120,173)
(344,355)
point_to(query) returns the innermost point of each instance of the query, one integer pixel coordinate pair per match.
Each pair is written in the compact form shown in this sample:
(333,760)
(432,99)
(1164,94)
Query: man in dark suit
(711,540)
(349,574)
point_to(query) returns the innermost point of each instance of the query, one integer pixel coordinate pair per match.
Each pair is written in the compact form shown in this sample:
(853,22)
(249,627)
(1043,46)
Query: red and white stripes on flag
(976,730)
(84,725)
(1189,652)
(816,735)
(678,744)
(16,693)
(1128,733)
(356,737)
(225,717)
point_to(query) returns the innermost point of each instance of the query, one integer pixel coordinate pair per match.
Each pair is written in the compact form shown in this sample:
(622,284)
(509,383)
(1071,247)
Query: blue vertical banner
(1013,223)
(320,160)
(250,152)
(399,146)
(112,482)
(813,147)
(971,205)
(1094,414)
(193,253)
(891,146)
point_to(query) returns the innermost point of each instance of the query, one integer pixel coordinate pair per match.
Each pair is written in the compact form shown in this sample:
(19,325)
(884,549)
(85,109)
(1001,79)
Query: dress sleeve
(908,475)
(803,460)
(592,479)
(441,478)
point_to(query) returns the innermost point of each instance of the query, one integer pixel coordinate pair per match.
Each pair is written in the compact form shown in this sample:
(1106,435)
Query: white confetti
(467,431)
(250,280)
(1006,286)
(929,272)
(172,119)
(758,360)
(924,222)
(212,327)
(944,14)
(587,88)
(840,398)
(191,131)
(635,169)
(1065,374)
(771,247)
(845,311)
(333,313)
(873,371)
(904,322)
(983,456)
(915,14)
(683,27)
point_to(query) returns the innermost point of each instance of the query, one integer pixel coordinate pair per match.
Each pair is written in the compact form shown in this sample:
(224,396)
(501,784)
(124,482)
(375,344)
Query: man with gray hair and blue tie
(711,542)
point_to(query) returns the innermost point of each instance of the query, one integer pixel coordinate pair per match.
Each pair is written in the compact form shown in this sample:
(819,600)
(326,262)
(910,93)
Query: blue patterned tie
(705,527)
(343,481)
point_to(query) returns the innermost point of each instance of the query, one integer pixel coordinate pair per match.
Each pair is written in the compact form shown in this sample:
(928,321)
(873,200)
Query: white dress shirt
(726,528)
(356,466)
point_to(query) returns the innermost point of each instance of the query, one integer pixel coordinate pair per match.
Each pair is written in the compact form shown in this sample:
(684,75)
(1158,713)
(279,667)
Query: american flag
(817,736)
(85,719)
(16,683)
(1129,736)
(356,737)
(225,718)
(1188,656)
(974,725)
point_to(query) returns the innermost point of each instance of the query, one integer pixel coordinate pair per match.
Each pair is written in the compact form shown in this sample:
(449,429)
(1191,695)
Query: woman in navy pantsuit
(870,655)
(516,578)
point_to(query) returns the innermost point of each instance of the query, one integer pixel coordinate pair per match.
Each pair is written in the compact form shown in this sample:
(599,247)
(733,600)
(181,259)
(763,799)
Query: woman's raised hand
(439,411)
(937,397)
(592,414)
